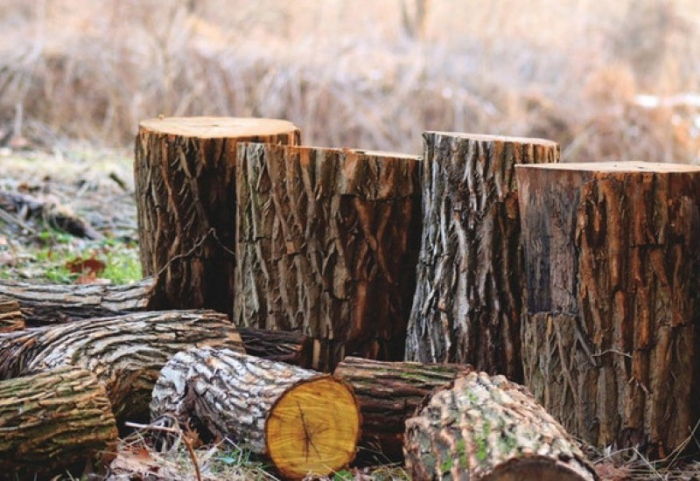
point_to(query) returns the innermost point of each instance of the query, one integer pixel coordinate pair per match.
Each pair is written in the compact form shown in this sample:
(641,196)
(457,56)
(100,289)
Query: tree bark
(125,352)
(11,319)
(490,428)
(307,423)
(468,299)
(53,420)
(186,198)
(327,244)
(52,304)
(281,346)
(611,334)
(389,393)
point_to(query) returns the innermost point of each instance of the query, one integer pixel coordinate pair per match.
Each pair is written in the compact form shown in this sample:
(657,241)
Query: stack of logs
(577,280)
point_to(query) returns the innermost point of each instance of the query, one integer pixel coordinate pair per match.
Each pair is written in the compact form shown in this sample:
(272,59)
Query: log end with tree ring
(313,428)
(218,127)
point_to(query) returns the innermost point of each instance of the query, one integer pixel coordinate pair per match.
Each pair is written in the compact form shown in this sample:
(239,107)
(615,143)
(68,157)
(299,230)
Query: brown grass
(357,73)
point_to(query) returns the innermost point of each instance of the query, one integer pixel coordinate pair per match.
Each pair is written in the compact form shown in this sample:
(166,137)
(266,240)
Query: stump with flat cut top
(185,170)
(611,335)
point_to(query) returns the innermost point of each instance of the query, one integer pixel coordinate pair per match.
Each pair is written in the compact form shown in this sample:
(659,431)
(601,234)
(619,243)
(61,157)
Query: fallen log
(52,304)
(306,423)
(125,352)
(11,319)
(490,428)
(53,420)
(327,244)
(388,394)
(611,333)
(184,173)
(468,298)
(282,346)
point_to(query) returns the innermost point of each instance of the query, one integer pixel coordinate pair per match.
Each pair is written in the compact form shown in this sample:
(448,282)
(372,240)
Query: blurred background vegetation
(608,80)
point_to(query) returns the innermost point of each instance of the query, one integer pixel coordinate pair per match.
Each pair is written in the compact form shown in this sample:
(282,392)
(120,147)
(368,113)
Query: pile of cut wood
(430,288)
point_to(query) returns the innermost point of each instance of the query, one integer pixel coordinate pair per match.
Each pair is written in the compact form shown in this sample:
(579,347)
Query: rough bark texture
(125,352)
(468,298)
(282,346)
(11,318)
(52,304)
(388,394)
(52,420)
(611,340)
(186,199)
(307,423)
(490,428)
(327,244)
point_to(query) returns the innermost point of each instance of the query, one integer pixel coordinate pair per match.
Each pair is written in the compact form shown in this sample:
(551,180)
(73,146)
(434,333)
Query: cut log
(53,304)
(612,331)
(389,393)
(281,346)
(186,199)
(469,293)
(53,420)
(307,423)
(490,428)
(327,243)
(11,319)
(125,352)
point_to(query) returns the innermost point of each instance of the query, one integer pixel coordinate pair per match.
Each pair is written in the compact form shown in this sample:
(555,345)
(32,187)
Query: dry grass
(357,73)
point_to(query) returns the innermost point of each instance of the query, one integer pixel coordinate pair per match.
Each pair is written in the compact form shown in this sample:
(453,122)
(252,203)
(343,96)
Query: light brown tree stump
(307,423)
(52,420)
(389,393)
(490,428)
(611,340)
(125,352)
(186,198)
(11,318)
(42,304)
(469,290)
(327,244)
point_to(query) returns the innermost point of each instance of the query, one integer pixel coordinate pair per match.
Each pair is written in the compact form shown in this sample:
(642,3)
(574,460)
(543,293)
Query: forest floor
(69,216)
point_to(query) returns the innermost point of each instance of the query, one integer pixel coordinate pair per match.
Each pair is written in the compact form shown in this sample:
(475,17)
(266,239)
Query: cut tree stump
(612,331)
(490,428)
(469,292)
(125,352)
(11,318)
(52,304)
(389,393)
(52,420)
(307,423)
(184,174)
(327,244)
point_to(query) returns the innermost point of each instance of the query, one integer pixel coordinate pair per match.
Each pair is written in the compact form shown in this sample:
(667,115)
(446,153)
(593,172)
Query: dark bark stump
(125,352)
(53,304)
(389,393)
(468,299)
(490,428)
(307,423)
(11,319)
(611,339)
(327,244)
(186,198)
(53,420)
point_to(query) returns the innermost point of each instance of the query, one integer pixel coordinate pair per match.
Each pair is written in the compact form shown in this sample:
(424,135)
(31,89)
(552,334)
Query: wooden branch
(490,428)
(52,420)
(125,352)
(389,393)
(306,423)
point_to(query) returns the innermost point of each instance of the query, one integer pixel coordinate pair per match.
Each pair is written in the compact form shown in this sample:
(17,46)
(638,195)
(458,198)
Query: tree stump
(11,318)
(125,352)
(611,334)
(388,394)
(51,420)
(307,423)
(327,244)
(186,198)
(468,299)
(490,428)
